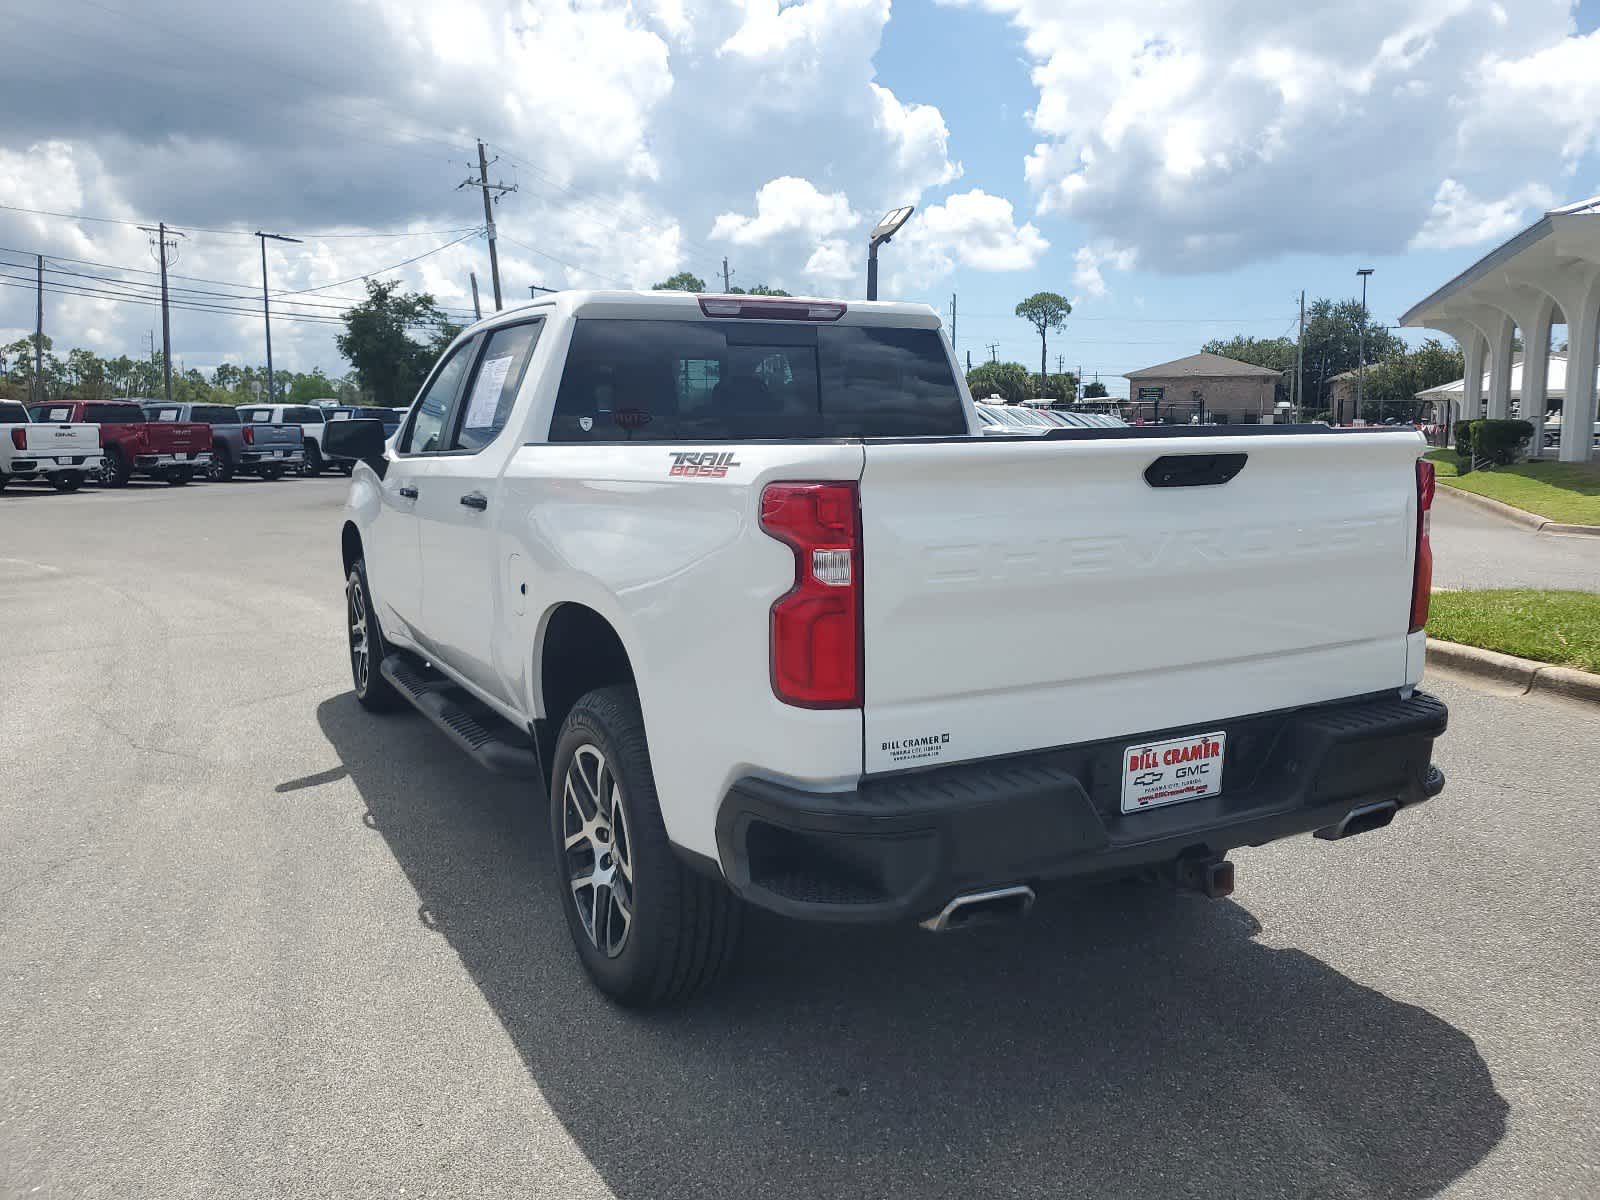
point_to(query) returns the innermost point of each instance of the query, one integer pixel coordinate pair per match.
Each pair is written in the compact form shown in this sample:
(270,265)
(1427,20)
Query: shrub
(1502,442)
(1463,433)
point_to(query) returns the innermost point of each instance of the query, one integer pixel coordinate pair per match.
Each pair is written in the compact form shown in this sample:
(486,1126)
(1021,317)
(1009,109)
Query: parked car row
(67,443)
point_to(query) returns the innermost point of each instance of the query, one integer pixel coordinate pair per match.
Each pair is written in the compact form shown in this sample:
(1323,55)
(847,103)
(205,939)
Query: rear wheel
(179,476)
(221,468)
(4,479)
(66,481)
(270,473)
(367,649)
(313,464)
(115,469)
(649,930)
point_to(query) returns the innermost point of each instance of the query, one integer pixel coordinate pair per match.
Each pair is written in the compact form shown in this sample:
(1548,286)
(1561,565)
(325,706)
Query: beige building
(1204,385)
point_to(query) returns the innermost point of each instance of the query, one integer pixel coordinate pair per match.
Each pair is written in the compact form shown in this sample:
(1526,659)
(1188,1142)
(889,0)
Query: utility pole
(969,360)
(952,318)
(477,309)
(266,312)
(165,242)
(994,351)
(1361,379)
(1300,364)
(727,276)
(499,189)
(38,332)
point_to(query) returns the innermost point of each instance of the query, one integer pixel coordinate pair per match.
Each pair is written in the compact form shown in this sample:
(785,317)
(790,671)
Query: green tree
(1046,312)
(1333,345)
(1277,354)
(760,289)
(314,386)
(1060,388)
(683,281)
(1094,391)
(379,343)
(1008,380)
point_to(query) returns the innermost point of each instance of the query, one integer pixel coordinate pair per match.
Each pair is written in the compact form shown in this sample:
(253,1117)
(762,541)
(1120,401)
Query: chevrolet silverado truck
(251,448)
(311,418)
(62,455)
(134,444)
(721,571)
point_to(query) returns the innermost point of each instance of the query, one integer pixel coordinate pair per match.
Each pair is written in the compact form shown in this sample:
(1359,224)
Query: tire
(179,476)
(675,931)
(367,647)
(4,479)
(271,473)
(115,470)
(66,481)
(313,465)
(221,469)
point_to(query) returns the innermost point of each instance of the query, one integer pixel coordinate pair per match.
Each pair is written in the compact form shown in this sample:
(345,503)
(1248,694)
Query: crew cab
(133,444)
(311,419)
(720,571)
(63,455)
(254,448)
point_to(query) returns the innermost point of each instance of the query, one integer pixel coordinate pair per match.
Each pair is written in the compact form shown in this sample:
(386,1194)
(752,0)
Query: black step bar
(447,706)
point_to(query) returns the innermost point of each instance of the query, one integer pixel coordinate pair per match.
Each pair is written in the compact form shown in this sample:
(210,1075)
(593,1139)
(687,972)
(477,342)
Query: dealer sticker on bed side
(1167,772)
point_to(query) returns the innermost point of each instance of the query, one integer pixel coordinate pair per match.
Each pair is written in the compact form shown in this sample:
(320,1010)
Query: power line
(406,262)
(45,212)
(563,262)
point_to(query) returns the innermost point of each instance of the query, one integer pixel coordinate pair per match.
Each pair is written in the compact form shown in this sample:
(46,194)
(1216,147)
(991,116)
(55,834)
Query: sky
(1180,172)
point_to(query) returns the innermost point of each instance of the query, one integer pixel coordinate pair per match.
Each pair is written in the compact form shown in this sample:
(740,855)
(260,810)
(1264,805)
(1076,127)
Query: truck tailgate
(275,437)
(178,437)
(1025,594)
(43,438)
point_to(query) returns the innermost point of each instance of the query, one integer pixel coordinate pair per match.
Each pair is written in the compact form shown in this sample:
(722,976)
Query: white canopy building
(1548,274)
(1555,386)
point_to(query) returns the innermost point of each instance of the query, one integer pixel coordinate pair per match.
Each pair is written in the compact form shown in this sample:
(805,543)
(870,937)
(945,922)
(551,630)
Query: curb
(1530,521)
(1525,674)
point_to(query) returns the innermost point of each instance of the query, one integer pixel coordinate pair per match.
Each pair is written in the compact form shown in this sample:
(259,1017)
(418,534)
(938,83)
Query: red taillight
(816,624)
(763,309)
(19,438)
(1422,577)
(249,436)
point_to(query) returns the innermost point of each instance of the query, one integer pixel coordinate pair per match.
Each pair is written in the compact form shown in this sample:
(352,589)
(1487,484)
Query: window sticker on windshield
(486,392)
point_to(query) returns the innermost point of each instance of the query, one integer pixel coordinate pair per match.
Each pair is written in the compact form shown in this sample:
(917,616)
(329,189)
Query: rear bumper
(52,464)
(157,462)
(266,458)
(899,847)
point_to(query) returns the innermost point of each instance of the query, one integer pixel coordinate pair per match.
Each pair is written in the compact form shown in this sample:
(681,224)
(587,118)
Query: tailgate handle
(1193,470)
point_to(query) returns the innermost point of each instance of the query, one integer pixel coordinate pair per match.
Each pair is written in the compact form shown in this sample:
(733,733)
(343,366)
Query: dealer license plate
(277,454)
(1169,772)
(181,455)
(63,462)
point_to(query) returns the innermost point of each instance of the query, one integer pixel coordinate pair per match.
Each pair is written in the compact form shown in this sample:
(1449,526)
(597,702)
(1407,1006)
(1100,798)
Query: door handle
(408,493)
(475,500)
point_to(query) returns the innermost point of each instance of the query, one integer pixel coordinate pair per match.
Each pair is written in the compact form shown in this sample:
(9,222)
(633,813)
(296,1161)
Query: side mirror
(360,438)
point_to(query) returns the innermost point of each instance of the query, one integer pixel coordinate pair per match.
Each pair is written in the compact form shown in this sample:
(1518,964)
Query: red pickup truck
(170,450)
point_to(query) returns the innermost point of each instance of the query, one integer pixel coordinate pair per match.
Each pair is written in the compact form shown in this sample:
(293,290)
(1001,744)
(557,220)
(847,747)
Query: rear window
(305,416)
(738,380)
(214,414)
(168,413)
(112,414)
(12,412)
(256,415)
(54,413)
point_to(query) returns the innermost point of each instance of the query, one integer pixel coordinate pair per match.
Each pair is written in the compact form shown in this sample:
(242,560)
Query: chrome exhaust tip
(977,908)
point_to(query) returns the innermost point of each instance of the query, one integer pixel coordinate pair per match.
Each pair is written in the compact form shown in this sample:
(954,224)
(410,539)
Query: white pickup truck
(63,455)
(724,572)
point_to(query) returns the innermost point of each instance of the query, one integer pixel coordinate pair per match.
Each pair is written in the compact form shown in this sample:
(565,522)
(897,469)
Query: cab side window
(425,434)
(495,385)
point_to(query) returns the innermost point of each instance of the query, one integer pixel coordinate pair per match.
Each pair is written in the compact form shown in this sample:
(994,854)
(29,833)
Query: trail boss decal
(707,464)
(1166,772)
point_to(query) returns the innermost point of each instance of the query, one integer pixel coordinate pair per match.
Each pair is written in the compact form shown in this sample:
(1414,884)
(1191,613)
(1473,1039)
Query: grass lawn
(1551,626)
(1565,492)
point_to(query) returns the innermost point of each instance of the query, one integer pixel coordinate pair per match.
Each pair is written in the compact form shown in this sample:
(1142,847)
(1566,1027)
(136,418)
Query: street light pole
(881,233)
(266,309)
(1361,377)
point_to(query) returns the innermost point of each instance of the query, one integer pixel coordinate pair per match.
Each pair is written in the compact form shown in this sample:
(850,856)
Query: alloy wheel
(597,850)
(360,652)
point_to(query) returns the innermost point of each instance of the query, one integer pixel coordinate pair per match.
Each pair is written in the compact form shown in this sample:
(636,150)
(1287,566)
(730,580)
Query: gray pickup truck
(255,448)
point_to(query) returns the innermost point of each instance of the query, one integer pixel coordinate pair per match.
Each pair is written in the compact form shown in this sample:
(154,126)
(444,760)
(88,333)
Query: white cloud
(833,262)
(787,205)
(1208,136)
(1086,273)
(1458,218)
(971,229)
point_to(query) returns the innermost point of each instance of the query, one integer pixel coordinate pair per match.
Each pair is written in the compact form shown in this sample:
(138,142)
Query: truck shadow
(1122,1042)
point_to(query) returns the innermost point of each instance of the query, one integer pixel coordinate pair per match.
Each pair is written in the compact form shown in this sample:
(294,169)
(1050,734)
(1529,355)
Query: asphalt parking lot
(257,942)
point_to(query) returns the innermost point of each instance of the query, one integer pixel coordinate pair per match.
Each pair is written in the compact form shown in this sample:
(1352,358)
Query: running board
(482,736)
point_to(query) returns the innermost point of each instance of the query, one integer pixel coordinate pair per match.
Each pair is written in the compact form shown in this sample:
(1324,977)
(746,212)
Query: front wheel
(313,463)
(66,481)
(649,930)
(367,649)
